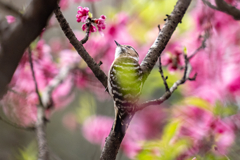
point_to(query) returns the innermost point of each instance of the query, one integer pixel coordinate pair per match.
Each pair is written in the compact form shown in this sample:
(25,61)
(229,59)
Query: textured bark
(164,36)
(18,36)
(43,153)
(101,76)
(111,147)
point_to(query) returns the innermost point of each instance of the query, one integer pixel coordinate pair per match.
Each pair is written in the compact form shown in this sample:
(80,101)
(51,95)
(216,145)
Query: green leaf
(198,102)
(165,148)
(185,50)
(28,153)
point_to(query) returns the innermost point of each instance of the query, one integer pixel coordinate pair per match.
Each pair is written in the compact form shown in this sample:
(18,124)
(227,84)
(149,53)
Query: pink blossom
(16,107)
(99,130)
(173,59)
(101,23)
(77,1)
(122,18)
(56,45)
(64,4)
(10,19)
(147,124)
(68,57)
(92,28)
(20,108)
(204,130)
(224,135)
(91,0)
(83,14)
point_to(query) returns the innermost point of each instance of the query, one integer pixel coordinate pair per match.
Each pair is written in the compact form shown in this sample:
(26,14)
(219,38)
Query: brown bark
(18,36)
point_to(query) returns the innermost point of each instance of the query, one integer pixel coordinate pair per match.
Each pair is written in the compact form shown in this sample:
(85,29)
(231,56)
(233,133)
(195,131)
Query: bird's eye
(129,47)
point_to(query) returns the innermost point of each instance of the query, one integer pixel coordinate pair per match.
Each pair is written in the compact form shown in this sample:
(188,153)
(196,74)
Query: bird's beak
(117,43)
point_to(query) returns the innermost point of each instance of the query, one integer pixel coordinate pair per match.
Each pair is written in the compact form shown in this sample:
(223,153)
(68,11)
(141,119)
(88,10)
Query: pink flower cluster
(145,125)
(99,130)
(204,130)
(173,59)
(83,14)
(101,23)
(20,102)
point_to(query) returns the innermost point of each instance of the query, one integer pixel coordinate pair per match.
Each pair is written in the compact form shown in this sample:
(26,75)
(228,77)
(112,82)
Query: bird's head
(125,51)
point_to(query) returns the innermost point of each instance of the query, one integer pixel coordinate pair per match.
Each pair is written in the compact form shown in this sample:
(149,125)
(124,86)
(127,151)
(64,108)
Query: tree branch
(113,141)
(224,7)
(202,46)
(80,49)
(164,36)
(58,79)
(167,94)
(85,39)
(40,124)
(14,39)
(33,75)
(162,75)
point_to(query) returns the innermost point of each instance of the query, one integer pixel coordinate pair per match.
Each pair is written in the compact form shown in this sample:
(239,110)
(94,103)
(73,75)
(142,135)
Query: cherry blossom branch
(202,46)
(224,7)
(40,124)
(164,36)
(85,39)
(33,75)
(11,8)
(58,79)
(162,75)
(99,74)
(14,39)
(168,93)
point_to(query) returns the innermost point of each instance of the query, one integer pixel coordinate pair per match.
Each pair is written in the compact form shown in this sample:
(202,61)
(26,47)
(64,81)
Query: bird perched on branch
(124,85)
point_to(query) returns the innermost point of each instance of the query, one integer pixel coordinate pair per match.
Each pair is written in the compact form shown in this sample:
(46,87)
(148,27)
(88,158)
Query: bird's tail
(122,121)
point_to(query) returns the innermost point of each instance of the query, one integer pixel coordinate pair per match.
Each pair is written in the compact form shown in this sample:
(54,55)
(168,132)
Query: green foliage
(198,102)
(87,107)
(28,153)
(150,14)
(224,111)
(166,148)
(185,50)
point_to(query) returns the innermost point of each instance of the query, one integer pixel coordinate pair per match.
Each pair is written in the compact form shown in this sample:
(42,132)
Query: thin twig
(100,75)
(85,39)
(17,126)
(167,94)
(11,8)
(210,5)
(224,7)
(58,79)
(34,77)
(203,45)
(162,75)
(43,153)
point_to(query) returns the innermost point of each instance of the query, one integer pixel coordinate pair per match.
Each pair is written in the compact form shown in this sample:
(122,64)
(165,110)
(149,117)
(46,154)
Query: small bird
(124,85)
